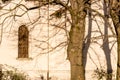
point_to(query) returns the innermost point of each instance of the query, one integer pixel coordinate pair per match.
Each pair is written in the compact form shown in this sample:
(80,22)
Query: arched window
(23,42)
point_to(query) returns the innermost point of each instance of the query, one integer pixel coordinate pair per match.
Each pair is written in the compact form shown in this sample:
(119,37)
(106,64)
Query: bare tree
(77,10)
(76,37)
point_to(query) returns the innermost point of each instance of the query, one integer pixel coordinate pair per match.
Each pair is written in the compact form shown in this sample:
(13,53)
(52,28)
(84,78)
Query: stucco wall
(96,50)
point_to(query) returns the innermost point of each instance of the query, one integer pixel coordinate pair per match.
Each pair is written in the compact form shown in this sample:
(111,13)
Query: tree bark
(118,62)
(76,37)
(115,15)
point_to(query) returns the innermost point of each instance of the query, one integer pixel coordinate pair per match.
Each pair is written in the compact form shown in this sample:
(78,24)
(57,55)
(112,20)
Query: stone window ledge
(24,59)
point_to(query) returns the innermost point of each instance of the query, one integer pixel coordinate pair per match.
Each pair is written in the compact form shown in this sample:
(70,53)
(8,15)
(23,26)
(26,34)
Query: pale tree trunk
(115,15)
(76,37)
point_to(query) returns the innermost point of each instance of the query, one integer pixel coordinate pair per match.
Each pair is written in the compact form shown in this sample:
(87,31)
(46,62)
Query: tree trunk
(76,37)
(75,48)
(115,15)
(118,62)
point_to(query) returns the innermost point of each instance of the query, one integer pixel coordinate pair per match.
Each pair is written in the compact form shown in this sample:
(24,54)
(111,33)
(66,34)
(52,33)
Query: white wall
(57,58)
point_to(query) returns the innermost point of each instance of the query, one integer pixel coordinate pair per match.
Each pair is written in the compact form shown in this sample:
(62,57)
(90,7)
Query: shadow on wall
(87,40)
(105,45)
